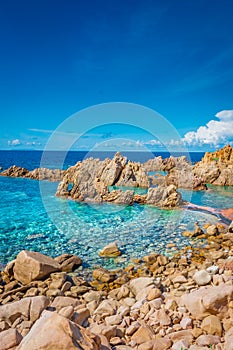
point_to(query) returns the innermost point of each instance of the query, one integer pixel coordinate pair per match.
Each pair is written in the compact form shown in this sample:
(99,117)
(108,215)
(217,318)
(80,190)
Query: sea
(33,218)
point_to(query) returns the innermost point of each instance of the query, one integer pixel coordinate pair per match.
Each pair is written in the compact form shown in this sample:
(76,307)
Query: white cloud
(15,142)
(215,132)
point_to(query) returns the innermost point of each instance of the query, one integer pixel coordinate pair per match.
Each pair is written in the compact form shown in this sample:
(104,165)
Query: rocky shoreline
(156,303)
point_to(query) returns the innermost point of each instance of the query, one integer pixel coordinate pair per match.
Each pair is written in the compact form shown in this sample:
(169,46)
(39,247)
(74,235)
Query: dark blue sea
(33,218)
(53,159)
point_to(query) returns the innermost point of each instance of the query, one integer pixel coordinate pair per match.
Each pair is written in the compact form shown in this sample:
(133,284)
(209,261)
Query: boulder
(68,262)
(164,197)
(136,285)
(28,308)
(110,251)
(31,266)
(211,300)
(216,167)
(58,333)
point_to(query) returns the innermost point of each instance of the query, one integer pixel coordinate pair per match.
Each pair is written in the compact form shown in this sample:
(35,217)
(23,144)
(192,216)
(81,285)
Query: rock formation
(89,181)
(36,174)
(159,302)
(217,167)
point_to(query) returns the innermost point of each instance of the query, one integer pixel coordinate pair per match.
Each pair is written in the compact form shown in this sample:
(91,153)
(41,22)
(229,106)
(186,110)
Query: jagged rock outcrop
(46,174)
(15,171)
(89,180)
(36,174)
(216,167)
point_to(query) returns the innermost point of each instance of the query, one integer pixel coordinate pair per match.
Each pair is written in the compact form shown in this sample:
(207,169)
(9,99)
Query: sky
(58,57)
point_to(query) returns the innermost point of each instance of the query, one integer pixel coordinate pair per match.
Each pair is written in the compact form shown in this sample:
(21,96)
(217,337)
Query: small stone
(153,293)
(207,339)
(212,230)
(81,316)
(212,325)
(110,251)
(113,320)
(213,270)
(142,335)
(180,345)
(186,322)
(202,277)
(9,339)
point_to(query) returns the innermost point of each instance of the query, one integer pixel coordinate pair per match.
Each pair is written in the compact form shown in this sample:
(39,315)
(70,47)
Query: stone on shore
(110,251)
(31,266)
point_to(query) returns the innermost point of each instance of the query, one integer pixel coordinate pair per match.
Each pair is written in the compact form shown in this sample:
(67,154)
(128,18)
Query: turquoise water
(32,218)
(54,226)
(220,197)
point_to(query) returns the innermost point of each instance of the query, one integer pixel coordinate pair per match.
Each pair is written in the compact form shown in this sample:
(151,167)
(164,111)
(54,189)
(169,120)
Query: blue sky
(58,57)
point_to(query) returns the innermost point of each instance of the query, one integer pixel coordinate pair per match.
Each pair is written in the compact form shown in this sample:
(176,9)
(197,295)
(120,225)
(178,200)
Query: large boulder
(208,300)
(53,331)
(29,309)
(31,266)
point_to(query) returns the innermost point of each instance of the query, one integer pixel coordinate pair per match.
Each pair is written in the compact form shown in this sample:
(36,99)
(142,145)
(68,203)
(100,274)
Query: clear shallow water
(69,227)
(44,223)
(32,159)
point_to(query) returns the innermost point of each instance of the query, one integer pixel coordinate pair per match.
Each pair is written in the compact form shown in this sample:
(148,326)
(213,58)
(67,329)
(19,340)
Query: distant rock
(46,174)
(154,164)
(36,174)
(15,171)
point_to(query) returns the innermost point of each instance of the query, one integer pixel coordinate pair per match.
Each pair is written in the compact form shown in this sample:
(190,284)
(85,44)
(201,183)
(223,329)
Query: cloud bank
(215,132)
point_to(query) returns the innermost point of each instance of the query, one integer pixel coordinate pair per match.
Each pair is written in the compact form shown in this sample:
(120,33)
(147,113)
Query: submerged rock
(110,251)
